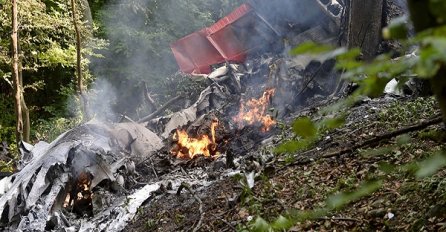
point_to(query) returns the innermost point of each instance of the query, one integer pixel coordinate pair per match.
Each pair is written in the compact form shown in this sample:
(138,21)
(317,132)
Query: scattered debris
(66,171)
(96,176)
(251,28)
(4,151)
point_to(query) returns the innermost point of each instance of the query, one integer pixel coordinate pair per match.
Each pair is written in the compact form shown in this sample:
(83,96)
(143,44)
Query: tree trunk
(26,121)
(420,13)
(438,84)
(80,91)
(87,17)
(15,73)
(25,110)
(365,26)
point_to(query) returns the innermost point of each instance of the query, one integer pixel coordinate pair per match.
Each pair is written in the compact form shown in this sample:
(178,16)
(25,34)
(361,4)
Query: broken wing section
(94,150)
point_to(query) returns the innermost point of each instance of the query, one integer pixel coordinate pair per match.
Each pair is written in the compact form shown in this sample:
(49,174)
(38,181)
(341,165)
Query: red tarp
(230,39)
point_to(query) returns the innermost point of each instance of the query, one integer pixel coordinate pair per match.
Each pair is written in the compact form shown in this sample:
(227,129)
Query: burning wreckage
(95,176)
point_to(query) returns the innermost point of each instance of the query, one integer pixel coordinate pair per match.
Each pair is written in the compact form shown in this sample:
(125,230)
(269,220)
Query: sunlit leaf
(301,216)
(432,55)
(260,225)
(373,86)
(341,104)
(332,123)
(402,82)
(333,53)
(292,146)
(427,67)
(377,151)
(340,200)
(386,167)
(304,128)
(397,29)
(431,165)
(351,54)
(403,139)
(282,223)
(311,48)
(348,64)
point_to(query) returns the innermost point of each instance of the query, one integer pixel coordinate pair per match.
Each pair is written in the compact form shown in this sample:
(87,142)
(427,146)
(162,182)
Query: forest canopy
(124,43)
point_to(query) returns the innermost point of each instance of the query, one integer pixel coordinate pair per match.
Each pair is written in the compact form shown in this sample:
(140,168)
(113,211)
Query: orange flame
(254,111)
(188,147)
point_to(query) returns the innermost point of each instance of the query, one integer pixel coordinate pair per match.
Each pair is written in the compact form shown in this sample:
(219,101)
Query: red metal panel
(194,53)
(230,18)
(228,45)
(229,39)
(222,35)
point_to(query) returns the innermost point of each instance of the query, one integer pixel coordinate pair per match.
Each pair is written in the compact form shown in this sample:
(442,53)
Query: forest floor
(402,203)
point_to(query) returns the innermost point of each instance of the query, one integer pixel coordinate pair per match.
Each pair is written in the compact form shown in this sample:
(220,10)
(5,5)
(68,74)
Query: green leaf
(260,225)
(373,86)
(397,29)
(341,104)
(333,53)
(287,147)
(340,200)
(403,139)
(332,123)
(310,214)
(293,146)
(377,152)
(431,165)
(348,64)
(282,223)
(438,9)
(351,54)
(304,128)
(386,167)
(311,48)
(432,56)
(427,67)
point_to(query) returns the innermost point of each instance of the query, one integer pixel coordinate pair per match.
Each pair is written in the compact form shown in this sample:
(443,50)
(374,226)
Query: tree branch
(367,143)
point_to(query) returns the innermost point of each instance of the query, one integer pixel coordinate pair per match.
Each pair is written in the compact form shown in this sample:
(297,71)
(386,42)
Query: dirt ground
(403,203)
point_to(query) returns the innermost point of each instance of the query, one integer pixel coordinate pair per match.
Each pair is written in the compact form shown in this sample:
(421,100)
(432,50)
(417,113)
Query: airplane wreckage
(96,176)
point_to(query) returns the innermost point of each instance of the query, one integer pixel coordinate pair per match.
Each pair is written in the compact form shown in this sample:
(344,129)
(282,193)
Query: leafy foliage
(308,133)
(140,33)
(48,57)
(425,62)
(43,25)
(48,130)
(340,200)
(304,128)
(431,165)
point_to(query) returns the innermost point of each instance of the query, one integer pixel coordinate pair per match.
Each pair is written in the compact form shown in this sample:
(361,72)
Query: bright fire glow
(254,111)
(188,147)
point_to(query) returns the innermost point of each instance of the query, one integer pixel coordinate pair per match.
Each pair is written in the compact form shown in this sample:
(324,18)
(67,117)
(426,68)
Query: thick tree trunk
(365,26)
(15,73)
(80,87)
(420,13)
